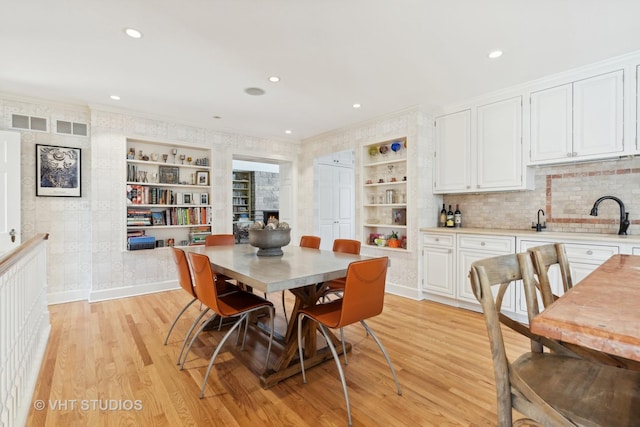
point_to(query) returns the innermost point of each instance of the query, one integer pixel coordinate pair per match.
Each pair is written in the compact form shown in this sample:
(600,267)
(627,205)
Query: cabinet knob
(569,154)
(482,243)
(589,252)
(437,239)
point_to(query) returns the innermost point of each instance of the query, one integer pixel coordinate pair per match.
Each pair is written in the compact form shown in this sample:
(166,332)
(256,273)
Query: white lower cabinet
(473,248)
(438,262)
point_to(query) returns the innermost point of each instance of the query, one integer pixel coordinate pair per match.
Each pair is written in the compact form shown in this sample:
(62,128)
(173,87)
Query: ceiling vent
(72,128)
(38,124)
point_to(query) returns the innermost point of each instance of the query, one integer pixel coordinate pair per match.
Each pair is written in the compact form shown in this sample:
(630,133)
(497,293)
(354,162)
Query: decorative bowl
(269,242)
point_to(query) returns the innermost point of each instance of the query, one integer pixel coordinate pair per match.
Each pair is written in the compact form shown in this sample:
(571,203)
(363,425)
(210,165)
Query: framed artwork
(158,218)
(204,198)
(399,216)
(169,174)
(58,171)
(202,177)
(186,198)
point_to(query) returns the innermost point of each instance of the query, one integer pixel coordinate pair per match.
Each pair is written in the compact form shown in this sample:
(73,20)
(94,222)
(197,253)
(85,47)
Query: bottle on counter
(457,217)
(450,217)
(442,220)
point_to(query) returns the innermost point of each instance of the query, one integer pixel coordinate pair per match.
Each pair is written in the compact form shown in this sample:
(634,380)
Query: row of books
(145,195)
(172,216)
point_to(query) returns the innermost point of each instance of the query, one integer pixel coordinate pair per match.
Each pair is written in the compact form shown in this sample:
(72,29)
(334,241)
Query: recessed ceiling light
(217,117)
(255,91)
(288,132)
(357,105)
(274,79)
(495,54)
(133,33)
(115,97)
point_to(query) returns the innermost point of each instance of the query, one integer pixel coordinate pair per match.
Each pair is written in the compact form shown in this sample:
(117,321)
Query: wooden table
(299,270)
(601,312)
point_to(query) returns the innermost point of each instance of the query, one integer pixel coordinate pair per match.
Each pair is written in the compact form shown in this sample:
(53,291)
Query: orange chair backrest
(312,242)
(204,280)
(184,274)
(220,240)
(346,246)
(364,290)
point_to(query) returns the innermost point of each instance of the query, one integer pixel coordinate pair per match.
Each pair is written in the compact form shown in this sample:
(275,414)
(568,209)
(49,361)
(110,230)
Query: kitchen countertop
(532,234)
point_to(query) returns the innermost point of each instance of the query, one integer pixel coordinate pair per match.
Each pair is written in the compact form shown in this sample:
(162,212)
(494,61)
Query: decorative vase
(269,242)
(393,243)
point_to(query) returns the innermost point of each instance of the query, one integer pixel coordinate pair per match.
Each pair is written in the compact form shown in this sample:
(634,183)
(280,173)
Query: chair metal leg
(186,337)
(176,319)
(384,352)
(284,309)
(304,377)
(193,339)
(344,348)
(215,353)
(339,365)
(272,315)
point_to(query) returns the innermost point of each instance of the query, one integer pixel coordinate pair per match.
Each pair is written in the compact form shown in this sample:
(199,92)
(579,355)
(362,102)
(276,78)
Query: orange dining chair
(186,282)
(220,240)
(312,242)
(236,304)
(363,298)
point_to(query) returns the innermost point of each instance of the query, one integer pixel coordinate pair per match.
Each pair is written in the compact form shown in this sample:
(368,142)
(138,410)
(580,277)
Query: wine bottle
(442,221)
(450,217)
(457,217)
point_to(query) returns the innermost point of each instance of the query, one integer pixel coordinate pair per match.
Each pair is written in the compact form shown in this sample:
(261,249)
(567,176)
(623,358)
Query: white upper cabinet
(582,120)
(480,149)
(500,145)
(452,168)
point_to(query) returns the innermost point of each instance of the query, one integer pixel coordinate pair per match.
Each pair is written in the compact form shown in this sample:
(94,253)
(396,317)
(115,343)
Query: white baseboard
(404,291)
(132,291)
(67,296)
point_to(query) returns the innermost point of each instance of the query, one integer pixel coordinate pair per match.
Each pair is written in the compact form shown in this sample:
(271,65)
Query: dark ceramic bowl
(269,242)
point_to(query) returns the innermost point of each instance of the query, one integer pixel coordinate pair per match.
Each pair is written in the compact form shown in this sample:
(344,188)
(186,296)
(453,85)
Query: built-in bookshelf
(384,207)
(168,194)
(242,201)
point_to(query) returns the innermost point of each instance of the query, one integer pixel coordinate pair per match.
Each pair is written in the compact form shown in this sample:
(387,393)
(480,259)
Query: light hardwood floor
(103,358)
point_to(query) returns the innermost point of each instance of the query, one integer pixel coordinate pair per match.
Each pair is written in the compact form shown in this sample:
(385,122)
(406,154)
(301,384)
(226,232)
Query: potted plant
(393,241)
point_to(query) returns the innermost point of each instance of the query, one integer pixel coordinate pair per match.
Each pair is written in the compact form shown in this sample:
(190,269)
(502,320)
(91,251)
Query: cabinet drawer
(487,243)
(594,253)
(438,240)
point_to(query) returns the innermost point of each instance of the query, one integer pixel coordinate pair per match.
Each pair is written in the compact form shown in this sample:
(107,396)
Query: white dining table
(299,270)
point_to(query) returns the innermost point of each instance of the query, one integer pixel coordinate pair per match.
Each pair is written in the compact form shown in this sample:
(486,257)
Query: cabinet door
(335,204)
(551,123)
(438,271)
(452,169)
(500,144)
(598,114)
(467,257)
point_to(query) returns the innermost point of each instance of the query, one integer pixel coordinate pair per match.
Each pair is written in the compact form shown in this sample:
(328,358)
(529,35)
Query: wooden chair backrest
(544,257)
(312,242)
(184,274)
(364,290)
(220,240)
(347,246)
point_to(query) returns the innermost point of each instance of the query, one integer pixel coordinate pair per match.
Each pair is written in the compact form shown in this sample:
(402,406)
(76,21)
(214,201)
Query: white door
(10,187)
(335,204)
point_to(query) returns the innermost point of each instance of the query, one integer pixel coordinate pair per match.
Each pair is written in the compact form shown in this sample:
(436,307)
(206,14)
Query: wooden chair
(362,299)
(236,304)
(545,256)
(549,388)
(312,242)
(186,282)
(220,240)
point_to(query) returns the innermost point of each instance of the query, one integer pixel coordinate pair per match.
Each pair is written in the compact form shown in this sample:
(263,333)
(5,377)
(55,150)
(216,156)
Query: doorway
(10,215)
(334,205)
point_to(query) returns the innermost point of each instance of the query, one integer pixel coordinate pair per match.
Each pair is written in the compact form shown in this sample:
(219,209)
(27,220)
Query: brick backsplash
(566,194)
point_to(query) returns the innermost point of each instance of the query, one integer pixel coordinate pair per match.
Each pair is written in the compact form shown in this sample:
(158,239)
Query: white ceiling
(197,56)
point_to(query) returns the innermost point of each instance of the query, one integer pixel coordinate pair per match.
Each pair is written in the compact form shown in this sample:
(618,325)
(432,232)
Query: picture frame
(186,198)
(157,218)
(204,198)
(169,174)
(58,171)
(399,216)
(202,178)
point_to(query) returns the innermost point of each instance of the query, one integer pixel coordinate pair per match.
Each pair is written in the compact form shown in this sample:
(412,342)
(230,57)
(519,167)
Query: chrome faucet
(539,226)
(624,216)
